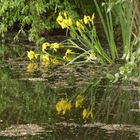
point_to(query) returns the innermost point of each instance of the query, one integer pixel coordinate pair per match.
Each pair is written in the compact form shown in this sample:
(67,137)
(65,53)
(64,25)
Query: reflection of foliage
(105,101)
(116,99)
(25,101)
(82,103)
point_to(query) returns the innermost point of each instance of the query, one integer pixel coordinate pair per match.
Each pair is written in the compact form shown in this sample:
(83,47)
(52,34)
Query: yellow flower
(63,24)
(55,46)
(62,106)
(79,101)
(54,61)
(59,18)
(63,20)
(67,55)
(68,58)
(45,60)
(44,46)
(86,114)
(92,18)
(58,107)
(69,21)
(69,106)
(66,23)
(92,55)
(65,15)
(87,19)
(68,52)
(31,67)
(80,25)
(31,55)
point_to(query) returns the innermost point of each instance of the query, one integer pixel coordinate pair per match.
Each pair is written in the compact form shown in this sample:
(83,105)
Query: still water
(29,93)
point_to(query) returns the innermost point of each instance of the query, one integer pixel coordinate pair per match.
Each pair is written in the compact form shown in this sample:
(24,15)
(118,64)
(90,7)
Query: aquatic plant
(84,31)
(87,40)
(84,43)
(45,57)
(126,13)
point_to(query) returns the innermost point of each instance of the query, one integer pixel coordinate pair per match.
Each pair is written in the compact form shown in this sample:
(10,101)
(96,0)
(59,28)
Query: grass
(126,14)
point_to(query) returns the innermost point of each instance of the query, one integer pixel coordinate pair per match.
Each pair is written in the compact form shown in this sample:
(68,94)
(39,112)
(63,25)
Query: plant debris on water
(22,130)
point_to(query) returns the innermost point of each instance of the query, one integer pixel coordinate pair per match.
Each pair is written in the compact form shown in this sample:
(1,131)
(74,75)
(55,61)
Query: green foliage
(84,6)
(124,11)
(83,30)
(39,16)
(126,14)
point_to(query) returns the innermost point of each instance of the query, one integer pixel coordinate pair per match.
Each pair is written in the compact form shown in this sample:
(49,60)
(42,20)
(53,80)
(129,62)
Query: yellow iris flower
(67,55)
(92,55)
(44,46)
(31,55)
(80,25)
(63,20)
(79,101)
(62,106)
(55,46)
(54,61)
(68,52)
(88,19)
(59,18)
(86,114)
(45,60)
(68,58)
(66,23)
(31,67)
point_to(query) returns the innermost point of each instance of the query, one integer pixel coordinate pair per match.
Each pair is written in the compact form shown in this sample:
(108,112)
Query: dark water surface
(28,96)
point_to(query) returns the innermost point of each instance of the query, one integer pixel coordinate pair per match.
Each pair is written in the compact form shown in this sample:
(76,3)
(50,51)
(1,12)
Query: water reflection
(29,94)
(25,101)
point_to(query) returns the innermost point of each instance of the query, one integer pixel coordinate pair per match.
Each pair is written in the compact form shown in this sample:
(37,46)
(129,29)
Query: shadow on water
(29,94)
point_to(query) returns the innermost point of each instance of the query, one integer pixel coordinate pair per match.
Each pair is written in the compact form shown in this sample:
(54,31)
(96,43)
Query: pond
(29,94)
